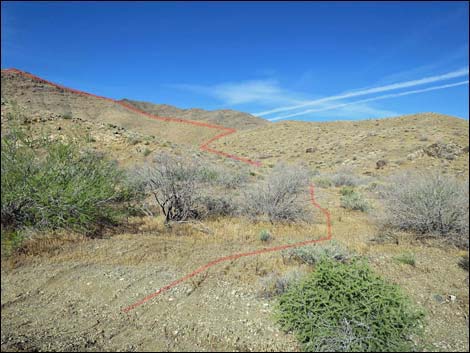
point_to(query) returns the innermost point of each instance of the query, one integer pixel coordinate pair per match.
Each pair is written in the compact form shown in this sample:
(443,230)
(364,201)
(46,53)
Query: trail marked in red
(203,147)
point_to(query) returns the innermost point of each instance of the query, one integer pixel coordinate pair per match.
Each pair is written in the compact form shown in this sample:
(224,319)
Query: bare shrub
(189,188)
(428,204)
(172,181)
(282,196)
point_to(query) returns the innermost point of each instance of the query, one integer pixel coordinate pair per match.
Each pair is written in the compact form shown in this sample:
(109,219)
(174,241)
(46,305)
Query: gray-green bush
(353,200)
(428,204)
(347,308)
(315,253)
(282,196)
(346,177)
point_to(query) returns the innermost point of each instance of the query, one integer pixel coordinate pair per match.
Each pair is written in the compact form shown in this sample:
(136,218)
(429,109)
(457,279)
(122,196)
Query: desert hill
(39,99)
(225,117)
(424,140)
(374,146)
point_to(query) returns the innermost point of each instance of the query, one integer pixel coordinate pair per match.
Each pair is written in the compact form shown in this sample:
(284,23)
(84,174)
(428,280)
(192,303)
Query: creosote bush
(428,204)
(281,197)
(346,308)
(52,185)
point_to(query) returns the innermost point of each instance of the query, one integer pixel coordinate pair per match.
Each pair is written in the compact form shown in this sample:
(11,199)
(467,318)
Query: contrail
(385,96)
(405,84)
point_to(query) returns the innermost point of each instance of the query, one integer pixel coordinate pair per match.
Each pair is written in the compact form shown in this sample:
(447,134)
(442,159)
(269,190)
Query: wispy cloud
(385,96)
(263,92)
(391,87)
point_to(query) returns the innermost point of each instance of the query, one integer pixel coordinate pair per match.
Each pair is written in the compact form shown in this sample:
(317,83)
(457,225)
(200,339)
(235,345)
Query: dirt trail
(73,302)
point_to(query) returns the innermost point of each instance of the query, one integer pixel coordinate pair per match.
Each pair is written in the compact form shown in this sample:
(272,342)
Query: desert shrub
(406,258)
(52,185)
(353,200)
(323,182)
(265,236)
(173,182)
(230,178)
(147,152)
(188,188)
(463,262)
(345,177)
(280,197)
(346,307)
(134,140)
(213,205)
(347,190)
(428,204)
(314,254)
(274,284)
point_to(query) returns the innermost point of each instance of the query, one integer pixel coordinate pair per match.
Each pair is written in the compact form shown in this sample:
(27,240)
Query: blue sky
(279,60)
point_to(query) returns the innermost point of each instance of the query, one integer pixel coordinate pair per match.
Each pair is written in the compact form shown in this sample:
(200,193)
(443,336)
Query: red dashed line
(203,147)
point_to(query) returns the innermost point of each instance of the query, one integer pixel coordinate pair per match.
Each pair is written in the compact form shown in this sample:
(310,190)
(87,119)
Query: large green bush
(51,185)
(346,307)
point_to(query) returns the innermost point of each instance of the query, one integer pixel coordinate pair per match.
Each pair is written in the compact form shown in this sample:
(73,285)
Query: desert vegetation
(282,196)
(432,205)
(344,307)
(50,184)
(180,208)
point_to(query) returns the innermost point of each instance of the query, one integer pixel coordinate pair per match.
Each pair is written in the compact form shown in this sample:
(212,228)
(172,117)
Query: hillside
(424,140)
(225,117)
(38,99)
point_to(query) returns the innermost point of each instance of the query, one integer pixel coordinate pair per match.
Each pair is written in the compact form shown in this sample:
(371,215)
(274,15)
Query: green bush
(51,185)
(265,236)
(352,200)
(341,307)
(347,190)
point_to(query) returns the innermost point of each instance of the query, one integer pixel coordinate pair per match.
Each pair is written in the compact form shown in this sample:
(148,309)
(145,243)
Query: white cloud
(385,96)
(395,86)
(264,92)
